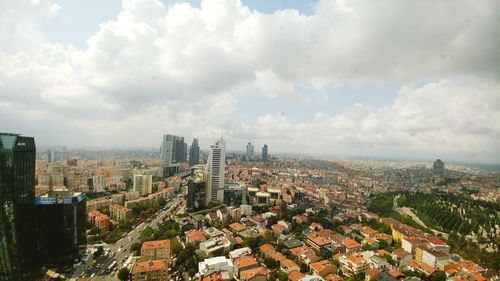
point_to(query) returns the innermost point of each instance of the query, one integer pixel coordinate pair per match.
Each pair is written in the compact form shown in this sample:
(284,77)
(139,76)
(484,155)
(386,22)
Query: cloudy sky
(396,79)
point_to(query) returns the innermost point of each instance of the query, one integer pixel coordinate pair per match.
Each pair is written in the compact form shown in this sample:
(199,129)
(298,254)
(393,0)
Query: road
(119,251)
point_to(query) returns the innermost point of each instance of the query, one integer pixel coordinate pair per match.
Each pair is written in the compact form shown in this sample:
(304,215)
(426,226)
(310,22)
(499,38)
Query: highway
(119,251)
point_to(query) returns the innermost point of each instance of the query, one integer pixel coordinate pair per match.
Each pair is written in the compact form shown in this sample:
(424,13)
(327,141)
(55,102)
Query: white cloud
(183,69)
(455,118)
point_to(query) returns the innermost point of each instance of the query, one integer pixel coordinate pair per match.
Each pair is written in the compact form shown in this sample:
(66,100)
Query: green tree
(123,274)
(271,263)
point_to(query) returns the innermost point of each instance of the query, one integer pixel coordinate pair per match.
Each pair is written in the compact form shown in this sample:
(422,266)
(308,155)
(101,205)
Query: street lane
(119,251)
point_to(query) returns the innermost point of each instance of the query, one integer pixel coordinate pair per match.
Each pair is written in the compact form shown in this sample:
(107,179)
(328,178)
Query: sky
(395,79)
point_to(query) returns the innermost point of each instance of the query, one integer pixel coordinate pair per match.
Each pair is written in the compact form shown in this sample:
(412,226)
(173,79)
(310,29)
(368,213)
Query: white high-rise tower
(216,167)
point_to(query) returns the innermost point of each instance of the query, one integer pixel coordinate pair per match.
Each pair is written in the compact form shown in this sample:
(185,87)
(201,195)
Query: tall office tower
(439,168)
(173,149)
(180,150)
(50,156)
(264,153)
(17,207)
(216,167)
(250,150)
(167,146)
(61,222)
(143,184)
(194,153)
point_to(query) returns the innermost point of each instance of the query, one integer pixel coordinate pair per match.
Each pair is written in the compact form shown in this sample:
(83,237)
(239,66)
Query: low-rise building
(195,236)
(288,266)
(156,250)
(118,212)
(216,265)
(156,270)
(322,268)
(100,220)
(244,263)
(352,264)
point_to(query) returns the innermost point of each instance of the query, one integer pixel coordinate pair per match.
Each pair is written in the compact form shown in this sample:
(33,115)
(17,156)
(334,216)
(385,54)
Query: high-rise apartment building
(439,168)
(249,151)
(194,153)
(61,222)
(17,207)
(216,167)
(143,184)
(265,156)
(173,149)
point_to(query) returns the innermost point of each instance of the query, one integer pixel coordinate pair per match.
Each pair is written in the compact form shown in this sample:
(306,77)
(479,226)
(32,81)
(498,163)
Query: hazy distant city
(242,140)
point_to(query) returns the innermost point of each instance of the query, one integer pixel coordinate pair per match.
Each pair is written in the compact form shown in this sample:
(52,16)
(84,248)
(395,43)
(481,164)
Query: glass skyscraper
(60,226)
(17,207)
(265,156)
(194,153)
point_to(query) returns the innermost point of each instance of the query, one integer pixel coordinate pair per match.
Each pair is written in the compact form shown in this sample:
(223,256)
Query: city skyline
(333,78)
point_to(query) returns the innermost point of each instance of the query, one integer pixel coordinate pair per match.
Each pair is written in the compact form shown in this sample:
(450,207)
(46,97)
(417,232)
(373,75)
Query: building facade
(17,207)
(249,151)
(118,212)
(155,270)
(439,168)
(173,149)
(194,153)
(216,167)
(265,156)
(156,250)
(143,184)
(60,226)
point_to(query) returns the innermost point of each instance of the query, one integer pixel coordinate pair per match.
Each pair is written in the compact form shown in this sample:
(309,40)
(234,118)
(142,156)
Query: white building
(235,254)
(98,183)
(143,184)
(216,264)
(216,167)
(246,210)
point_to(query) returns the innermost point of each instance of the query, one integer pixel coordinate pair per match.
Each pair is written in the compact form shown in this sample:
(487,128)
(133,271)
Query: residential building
(353,264)
(195,236)
(246,210)
(118,212)
(215,246)
(255,274)
(322,268)
(153,270)
(267,250)
(288,266)
(156,250)
(238,253)
(219,264)
(143,184)
(244,263)
(100,220)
